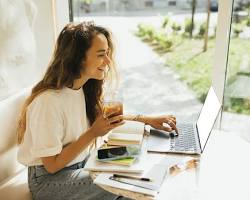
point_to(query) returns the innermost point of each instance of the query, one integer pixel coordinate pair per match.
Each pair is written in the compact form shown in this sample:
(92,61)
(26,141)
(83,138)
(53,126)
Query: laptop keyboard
(185,141)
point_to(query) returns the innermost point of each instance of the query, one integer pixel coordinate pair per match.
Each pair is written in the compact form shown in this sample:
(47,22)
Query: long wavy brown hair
(66,65)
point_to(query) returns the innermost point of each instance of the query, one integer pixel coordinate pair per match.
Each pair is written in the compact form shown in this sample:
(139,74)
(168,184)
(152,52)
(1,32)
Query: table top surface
(223,172)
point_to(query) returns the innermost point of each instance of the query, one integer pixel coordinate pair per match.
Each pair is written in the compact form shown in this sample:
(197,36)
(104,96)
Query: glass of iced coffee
(113,103)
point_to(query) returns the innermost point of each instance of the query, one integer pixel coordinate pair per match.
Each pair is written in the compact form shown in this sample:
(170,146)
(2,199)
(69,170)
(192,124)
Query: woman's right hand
(103,125)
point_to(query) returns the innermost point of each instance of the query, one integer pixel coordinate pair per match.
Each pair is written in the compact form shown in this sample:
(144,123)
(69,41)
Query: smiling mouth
(104,69)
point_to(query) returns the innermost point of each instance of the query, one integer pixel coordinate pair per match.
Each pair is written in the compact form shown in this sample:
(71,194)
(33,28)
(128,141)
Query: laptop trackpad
(158,142)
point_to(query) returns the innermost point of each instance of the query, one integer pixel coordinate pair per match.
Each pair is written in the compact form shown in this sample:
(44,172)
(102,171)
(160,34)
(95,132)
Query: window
(172,3)
(163,70)
(236,112)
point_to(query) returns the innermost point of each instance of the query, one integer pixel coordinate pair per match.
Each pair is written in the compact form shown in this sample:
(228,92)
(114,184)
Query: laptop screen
(208,116)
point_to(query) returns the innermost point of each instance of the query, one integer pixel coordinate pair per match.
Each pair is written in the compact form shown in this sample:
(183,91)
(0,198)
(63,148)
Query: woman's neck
(78,83)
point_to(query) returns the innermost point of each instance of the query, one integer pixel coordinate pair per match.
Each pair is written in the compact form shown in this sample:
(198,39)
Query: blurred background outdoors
(164,50)
(166,54)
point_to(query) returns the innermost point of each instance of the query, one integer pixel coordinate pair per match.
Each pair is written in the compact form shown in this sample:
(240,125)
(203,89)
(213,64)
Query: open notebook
(157,173)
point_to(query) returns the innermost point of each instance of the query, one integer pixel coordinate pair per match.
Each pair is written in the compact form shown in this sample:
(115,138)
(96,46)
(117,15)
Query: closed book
(133,127)
(124,139)
(124,161)
(128,134)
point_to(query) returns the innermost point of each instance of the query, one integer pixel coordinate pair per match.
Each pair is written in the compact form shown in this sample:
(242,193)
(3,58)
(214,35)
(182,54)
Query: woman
(63,115)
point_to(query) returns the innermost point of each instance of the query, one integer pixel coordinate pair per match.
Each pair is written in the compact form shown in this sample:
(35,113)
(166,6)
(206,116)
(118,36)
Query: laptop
(192,138)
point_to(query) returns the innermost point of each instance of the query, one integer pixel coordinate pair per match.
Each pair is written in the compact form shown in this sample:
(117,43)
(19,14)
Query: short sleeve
(45,121)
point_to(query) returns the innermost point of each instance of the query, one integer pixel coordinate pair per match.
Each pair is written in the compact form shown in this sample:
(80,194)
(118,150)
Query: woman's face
(97,60)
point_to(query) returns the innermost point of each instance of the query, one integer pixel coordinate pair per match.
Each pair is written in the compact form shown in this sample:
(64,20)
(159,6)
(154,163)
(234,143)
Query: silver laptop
(192,138)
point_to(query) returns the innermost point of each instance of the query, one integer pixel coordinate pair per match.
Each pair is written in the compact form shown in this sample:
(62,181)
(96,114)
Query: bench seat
(16,187)
(13,176)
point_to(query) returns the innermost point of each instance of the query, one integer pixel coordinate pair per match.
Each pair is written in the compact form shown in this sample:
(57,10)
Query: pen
(132,177)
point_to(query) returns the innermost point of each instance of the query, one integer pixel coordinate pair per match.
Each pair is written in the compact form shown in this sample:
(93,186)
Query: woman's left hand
(159,121)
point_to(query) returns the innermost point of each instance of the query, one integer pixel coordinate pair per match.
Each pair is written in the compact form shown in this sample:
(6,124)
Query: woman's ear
(83,62)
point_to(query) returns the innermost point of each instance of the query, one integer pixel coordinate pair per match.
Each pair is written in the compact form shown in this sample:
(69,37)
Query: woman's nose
(107,60)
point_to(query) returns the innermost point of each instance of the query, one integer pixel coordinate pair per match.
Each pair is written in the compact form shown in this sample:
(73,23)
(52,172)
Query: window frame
(225,13)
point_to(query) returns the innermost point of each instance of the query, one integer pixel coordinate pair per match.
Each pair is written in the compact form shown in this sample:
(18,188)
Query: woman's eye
(102,55)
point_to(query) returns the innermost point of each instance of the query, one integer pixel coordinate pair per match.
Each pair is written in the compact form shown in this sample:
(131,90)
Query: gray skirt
(70,183)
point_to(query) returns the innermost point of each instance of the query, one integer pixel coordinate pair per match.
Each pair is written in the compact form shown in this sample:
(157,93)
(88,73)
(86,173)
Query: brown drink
(110,107)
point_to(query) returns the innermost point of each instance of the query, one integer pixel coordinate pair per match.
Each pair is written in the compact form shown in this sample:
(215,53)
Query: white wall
(44,32)
(51,17)
(28,29)
(62,14)
(17,49)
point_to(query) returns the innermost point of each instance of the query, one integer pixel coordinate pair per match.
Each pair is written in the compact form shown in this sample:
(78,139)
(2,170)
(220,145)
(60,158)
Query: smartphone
(112,153)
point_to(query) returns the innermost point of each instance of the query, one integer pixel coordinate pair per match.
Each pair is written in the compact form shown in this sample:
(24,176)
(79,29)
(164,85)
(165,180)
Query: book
(132,127)
(123,139)
(124,161)
(129,133)
(140,164)
(94,165)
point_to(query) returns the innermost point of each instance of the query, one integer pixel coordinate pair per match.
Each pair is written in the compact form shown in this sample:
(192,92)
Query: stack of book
(128,135)
(124,139)
(119,155)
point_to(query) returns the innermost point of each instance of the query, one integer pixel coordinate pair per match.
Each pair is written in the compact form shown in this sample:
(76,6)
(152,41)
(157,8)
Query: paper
(103,179)
(157,173)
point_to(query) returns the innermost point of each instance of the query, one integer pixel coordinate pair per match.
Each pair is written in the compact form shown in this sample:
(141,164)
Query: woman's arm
(140,118)
(157,122)
(54,163)
(99,128)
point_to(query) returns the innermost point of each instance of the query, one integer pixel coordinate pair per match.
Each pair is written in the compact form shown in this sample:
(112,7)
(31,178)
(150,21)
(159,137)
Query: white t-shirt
(53,120)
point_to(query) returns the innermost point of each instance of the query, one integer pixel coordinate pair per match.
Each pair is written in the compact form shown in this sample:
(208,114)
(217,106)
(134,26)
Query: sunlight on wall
(18,49)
